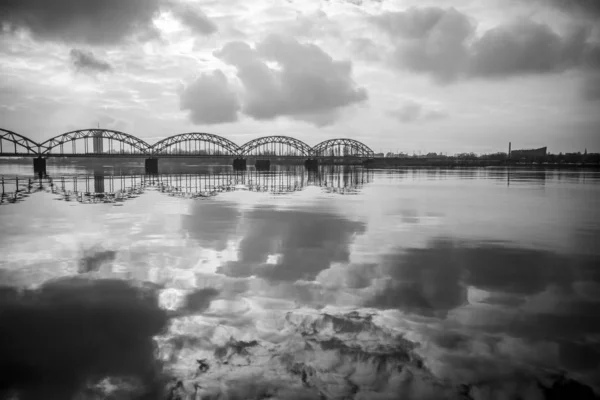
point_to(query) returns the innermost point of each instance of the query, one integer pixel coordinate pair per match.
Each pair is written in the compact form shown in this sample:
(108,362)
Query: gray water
(339,283)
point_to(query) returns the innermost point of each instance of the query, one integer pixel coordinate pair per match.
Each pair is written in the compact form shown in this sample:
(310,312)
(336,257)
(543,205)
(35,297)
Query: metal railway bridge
(110,143)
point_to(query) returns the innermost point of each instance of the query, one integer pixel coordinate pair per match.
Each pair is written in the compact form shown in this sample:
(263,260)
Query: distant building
(519,154)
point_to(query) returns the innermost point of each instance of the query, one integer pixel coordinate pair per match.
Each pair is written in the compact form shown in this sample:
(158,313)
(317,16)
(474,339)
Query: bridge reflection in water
(100,188)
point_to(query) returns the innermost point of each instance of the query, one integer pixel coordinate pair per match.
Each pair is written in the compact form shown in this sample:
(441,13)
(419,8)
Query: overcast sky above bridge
(404,75)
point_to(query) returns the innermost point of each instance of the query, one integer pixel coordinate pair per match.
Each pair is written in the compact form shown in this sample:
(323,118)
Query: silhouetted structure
(113,143)
(528,154)
(109,143)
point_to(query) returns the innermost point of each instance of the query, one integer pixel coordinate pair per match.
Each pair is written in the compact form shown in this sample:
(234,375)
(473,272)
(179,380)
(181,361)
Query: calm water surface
(337,283)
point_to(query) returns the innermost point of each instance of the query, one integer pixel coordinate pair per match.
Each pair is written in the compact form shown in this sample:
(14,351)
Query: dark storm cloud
(210,100)
(194,19)
(442,43)
(82,21)
(307,244)
(70,332)
(212,224)
(307,84)
(86,61)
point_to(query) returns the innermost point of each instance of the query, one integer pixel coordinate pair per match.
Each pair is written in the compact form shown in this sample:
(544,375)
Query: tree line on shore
(560,158)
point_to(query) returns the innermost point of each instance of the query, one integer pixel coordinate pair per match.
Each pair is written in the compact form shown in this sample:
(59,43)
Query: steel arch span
(18,141)
(275,146)
(342,147)
(99,138)
(195,143)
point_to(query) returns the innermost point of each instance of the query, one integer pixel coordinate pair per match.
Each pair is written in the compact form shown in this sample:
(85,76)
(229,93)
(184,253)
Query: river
(338,283)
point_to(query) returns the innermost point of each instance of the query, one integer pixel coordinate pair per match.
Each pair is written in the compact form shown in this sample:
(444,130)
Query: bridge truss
(106,142)
(282,146)
(102,142)
(342,148)
(195,144)
(11,142)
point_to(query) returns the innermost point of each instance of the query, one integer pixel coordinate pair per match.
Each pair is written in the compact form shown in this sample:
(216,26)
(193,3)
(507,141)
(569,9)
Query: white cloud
(443,43)
(308,85)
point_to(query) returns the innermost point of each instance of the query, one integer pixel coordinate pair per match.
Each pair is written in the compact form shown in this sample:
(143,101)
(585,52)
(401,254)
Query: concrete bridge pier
(264,165)
(39,165)
(239,163)
(311,163)
(151,165)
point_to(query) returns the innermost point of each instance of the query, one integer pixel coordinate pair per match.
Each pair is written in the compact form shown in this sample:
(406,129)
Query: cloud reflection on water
(529,314)
(304,244)
(70,333)
(461,268)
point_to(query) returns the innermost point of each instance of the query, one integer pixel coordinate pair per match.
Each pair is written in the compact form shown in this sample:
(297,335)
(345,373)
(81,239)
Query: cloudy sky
(405,75)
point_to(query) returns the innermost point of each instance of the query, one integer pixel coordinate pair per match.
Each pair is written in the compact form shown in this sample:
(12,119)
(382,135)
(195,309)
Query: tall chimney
(509,144)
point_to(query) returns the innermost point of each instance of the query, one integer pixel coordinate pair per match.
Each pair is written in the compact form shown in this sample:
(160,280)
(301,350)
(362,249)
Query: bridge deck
(117,155)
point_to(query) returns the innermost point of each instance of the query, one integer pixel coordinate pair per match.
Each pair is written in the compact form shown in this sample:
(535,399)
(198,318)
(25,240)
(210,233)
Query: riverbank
(383,163)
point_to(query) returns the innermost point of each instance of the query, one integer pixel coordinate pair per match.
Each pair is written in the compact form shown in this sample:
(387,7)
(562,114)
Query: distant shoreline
(374,163)
(390,163)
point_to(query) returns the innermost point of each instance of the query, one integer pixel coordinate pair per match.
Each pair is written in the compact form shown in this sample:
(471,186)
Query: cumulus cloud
(210,100)
(87,21)
(412,111)
(430,40)
(442,43)
(194,19)
(525,47)
(70,333)
(283,77)
(86,61)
